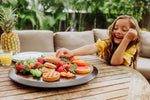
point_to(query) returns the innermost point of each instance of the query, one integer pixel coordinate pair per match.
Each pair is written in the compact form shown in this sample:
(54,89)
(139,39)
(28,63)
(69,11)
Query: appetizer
(52,68)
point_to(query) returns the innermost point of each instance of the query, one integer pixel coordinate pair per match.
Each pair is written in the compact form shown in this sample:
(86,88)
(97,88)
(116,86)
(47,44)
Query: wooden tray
(62,82)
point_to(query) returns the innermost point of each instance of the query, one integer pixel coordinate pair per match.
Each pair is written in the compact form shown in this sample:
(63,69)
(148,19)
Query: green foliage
(112,9)
(124,7)
(50,15)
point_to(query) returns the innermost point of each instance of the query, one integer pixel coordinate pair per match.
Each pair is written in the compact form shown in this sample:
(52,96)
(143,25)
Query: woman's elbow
(116,62)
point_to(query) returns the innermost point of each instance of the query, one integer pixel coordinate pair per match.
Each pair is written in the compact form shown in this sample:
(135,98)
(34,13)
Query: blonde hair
(112,46)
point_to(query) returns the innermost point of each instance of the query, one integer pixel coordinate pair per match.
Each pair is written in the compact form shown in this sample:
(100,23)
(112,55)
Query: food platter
(26,55)
(62,82)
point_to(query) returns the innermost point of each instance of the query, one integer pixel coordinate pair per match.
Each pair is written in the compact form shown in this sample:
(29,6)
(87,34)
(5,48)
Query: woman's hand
(63,52)
(131,34)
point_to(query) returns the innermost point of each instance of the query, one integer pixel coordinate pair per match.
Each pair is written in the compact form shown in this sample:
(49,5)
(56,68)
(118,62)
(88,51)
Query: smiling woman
(116,49)
(125,35)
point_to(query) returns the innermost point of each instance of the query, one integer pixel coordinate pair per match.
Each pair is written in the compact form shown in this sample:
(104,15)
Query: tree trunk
(145,22)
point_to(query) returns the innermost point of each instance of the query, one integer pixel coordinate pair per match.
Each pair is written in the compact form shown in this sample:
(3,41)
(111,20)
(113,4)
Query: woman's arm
(117,57)
(85,50)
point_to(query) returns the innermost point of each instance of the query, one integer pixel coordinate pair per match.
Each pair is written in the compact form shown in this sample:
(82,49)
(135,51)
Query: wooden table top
(111,82)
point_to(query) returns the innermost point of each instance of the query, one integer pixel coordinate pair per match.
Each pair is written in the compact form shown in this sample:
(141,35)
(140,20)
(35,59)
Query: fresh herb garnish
(73,68)
(65,60)
(64,68)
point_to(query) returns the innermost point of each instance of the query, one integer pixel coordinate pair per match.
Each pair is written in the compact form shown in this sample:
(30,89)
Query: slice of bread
(51,76)
(50,65)
(52,59)
(45,70)
(67,74)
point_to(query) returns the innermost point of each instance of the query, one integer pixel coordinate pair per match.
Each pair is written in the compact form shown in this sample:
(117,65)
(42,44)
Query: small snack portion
(44,70)
(83,70)
(38,65)
(35,73)
(79,62)
(51,76)
(52,59)
(23,68)
(50,65)
(41,60)
(67,74)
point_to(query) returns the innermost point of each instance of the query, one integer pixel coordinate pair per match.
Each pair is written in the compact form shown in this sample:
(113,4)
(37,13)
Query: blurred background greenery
(79,15)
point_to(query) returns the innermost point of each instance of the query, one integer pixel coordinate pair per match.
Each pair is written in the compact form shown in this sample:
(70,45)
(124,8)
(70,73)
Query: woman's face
(121,27)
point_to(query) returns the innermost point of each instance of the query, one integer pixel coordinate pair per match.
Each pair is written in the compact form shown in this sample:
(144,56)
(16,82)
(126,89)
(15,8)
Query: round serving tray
(62,82)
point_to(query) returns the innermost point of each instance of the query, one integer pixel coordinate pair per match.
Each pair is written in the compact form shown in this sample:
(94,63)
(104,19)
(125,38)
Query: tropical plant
(33,14)
(29,12)
(54,14)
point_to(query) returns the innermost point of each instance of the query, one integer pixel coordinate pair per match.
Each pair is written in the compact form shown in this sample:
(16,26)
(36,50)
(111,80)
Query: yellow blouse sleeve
(101,45)
(129,53)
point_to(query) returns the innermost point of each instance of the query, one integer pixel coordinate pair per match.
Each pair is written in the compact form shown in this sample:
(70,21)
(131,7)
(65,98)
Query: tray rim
(15,59)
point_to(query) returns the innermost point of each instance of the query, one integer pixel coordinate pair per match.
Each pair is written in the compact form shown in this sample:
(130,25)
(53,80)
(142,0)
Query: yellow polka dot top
(129,53)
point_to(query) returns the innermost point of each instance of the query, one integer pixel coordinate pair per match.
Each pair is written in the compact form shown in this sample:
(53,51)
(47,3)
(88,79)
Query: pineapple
(9,40)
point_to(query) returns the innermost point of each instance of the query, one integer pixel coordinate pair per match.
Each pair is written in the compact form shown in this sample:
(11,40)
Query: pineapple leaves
(8,19)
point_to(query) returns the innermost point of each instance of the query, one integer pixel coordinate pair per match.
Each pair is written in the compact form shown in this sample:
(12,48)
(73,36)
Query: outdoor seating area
(111,82)
(75,50)
(47,41)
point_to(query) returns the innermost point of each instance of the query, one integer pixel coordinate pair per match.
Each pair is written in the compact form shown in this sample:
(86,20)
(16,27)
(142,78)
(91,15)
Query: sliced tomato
(71,57)
(81,65)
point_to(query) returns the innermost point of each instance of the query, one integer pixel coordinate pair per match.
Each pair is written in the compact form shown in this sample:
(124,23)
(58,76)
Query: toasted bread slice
(52,59)
(45,70)
(67,74)
(51,76)
(50,65)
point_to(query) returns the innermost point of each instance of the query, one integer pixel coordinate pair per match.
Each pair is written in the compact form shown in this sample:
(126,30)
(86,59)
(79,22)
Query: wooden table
(111,83)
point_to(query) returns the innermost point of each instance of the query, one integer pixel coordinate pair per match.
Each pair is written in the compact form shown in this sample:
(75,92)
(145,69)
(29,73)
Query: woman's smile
(122,26)
(118,37)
